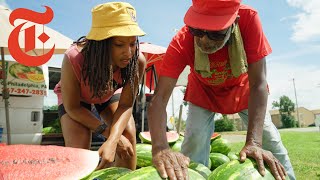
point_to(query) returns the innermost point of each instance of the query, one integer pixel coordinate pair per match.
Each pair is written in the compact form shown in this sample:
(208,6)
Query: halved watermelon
(215,136)
(172,137)
(46,162)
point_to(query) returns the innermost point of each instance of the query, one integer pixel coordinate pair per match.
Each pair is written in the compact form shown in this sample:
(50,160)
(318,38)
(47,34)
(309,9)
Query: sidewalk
(235,138)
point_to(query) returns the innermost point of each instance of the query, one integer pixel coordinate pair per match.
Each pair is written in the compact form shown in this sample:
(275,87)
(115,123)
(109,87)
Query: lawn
(304,152)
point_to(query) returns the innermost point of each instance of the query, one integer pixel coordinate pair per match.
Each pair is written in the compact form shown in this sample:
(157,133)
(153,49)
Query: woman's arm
(124,110)
(70,89)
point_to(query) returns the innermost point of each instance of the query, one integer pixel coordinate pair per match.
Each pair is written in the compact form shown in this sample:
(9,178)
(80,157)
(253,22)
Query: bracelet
(100,128)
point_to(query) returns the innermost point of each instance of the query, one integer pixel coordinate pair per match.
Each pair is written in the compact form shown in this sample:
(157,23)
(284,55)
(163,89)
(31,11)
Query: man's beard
(211,46)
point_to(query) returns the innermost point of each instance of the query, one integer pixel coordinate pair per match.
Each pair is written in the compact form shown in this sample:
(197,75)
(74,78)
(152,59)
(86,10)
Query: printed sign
(24,80)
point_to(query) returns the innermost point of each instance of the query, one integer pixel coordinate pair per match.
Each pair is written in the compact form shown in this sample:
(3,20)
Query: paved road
(308,129)
(234,138)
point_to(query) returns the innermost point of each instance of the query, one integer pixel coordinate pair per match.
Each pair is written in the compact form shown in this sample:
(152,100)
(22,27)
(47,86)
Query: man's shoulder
(247,10)
(183,40)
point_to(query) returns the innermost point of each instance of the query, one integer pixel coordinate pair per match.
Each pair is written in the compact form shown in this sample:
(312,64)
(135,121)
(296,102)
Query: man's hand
(171,164)
(124,148)
(260,156)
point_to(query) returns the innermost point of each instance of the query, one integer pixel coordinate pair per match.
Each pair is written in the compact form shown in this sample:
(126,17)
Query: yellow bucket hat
(113,19)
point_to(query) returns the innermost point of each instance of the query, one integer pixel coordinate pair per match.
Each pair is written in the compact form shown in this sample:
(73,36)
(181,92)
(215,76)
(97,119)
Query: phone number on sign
(23,91)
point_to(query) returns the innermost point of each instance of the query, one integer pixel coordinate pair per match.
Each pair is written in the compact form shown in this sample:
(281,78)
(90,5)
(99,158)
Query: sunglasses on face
(213,35)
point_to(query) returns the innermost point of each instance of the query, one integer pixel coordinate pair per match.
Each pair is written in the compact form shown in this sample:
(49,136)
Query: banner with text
(23,80)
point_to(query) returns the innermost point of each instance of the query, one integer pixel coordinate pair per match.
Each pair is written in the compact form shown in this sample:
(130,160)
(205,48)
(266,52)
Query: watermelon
(144,158)
(215,136)
(143,147)
(172,137)
(111,173)
(177,146)
(144,155)
(151,173)
(217,159)
(233,156)
(200,168)
(209,163)
(220,146)
(46,162)
(240,171)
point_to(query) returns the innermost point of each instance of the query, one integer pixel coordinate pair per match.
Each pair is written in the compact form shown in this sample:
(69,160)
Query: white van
(27,88)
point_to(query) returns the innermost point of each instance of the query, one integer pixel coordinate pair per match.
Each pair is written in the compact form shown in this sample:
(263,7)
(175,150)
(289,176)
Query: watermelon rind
(200,168)
(144,159)
(172,137)
(143,147)
(209,163)
(217,159)
(215,136)
(151,173)
(144,155)
(220,145)
(233,155)
(240,171)
(111,173)
(177,145)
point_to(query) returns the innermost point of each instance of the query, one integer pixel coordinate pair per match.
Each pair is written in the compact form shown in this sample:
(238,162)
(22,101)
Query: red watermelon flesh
(46,162)
(215,136)
(172,136)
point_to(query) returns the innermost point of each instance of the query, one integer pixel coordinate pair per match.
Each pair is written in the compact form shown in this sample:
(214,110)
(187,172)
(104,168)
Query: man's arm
(256,113)
(169,164)
(257,102)
(157,115)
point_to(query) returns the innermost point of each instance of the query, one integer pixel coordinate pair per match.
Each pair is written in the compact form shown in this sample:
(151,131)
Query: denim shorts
(99,107)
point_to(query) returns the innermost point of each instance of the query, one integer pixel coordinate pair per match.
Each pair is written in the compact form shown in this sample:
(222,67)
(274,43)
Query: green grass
(304,152)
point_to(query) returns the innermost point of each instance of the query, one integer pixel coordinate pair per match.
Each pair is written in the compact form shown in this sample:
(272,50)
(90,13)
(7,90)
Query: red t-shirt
(222,93)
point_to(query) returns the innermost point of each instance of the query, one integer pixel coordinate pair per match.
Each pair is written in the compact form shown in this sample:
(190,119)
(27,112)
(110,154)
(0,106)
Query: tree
(286,107)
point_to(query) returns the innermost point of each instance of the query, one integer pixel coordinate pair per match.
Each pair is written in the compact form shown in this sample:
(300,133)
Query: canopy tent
(154,55)
(56,39)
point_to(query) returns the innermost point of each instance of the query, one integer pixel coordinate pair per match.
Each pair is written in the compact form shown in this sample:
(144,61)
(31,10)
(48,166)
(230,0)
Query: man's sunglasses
(213,35)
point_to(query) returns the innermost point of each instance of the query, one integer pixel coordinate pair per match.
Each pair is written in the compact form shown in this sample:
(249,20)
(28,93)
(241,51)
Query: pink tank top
(76,59)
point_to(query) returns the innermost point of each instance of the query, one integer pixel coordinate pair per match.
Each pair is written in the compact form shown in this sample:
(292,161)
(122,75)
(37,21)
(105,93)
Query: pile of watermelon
(53,162)
(223,163)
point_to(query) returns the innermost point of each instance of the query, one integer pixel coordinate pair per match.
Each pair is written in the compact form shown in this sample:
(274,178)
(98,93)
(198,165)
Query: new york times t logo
(29,36)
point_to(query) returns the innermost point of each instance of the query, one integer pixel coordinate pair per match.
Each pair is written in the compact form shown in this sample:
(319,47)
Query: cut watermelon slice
(172,137)
(215,136)
(46,162)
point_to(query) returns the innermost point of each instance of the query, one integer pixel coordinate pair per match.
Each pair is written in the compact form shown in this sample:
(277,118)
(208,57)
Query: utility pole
(297,108)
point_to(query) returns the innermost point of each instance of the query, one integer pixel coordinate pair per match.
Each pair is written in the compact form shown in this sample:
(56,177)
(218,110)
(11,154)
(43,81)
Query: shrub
(288,121)
(224,124)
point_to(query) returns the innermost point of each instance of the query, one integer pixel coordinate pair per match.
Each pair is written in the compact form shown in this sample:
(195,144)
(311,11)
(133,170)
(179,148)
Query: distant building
(238,123)
(307,117)
(317,117)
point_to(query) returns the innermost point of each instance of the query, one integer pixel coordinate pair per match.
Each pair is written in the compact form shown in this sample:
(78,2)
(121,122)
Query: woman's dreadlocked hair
(97,67)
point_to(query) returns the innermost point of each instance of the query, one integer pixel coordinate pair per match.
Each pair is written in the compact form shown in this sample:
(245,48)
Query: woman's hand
(124,148)
(107,153)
